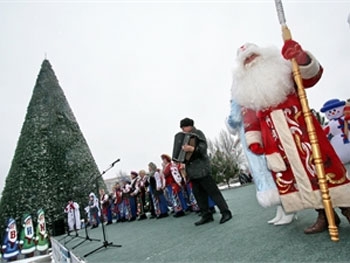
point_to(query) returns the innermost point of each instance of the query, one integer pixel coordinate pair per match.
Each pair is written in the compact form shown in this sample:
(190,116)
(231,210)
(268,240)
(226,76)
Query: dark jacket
(198,165)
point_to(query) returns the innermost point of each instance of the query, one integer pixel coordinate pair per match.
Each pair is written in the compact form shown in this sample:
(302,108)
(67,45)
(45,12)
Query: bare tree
(227,157)
(320,118)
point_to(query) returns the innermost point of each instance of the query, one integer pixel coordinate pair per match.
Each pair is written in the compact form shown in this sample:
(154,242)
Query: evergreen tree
(52,160)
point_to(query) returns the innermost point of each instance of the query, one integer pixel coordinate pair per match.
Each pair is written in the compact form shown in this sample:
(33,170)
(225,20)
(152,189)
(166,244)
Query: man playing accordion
(198,170)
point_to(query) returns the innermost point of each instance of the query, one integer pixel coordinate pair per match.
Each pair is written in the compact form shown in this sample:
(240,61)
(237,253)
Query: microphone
(115,162)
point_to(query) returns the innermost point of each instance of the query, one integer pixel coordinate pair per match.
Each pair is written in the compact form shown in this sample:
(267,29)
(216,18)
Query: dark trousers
(151,205)
(203,188)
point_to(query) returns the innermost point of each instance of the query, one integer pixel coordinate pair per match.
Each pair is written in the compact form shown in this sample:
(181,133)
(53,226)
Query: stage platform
(245,238)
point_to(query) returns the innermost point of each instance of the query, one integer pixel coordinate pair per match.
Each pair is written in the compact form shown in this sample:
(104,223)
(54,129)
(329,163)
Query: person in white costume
(266,190)
(74,220)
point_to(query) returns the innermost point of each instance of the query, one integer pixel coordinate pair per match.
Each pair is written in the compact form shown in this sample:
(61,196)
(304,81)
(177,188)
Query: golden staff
(316,152)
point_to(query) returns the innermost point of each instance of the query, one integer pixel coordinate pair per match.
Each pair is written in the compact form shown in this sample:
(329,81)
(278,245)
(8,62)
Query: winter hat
(245,48)
(166,157)
(134,173)
(331,104)
(186,122)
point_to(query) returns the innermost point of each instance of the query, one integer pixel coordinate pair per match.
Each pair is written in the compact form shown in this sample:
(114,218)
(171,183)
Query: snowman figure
(337,129)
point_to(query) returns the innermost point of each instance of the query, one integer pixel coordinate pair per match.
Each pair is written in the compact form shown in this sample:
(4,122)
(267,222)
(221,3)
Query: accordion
(181,139)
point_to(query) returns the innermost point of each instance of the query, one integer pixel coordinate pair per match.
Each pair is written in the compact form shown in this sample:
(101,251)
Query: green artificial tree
(52,160)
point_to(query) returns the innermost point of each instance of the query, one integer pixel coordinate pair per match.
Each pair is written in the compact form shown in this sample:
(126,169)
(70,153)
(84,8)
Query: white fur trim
(310,70)
(295,202)
(275,162)
(42,247)
(28,250)
(296,164)
(11,254)
(253,137)
(268,198)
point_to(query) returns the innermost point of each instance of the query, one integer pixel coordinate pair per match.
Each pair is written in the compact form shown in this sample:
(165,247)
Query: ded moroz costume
(274,125)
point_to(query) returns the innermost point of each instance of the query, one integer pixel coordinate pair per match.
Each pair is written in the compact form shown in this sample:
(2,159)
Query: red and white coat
(282,132)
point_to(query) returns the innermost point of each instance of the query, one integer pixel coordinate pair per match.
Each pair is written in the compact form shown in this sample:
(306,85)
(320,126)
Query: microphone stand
(68,233)
(105,243)
(87,238)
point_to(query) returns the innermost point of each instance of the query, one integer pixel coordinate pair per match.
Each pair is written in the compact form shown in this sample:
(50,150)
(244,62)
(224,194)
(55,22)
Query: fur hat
(186,122)
(247,47)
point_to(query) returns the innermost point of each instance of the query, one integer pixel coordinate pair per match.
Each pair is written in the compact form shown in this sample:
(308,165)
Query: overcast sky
(131,70)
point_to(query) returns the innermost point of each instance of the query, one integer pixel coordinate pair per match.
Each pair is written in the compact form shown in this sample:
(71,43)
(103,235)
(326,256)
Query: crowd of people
(158,193)
(175,188)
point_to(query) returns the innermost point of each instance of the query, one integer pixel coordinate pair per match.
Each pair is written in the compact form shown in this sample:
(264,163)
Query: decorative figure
(10,245)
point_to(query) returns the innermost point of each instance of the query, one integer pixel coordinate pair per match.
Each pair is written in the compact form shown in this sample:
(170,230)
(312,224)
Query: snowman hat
(331,104)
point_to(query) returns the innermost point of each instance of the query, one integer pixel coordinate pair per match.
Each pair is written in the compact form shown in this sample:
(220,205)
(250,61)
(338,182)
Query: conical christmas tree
(52,160)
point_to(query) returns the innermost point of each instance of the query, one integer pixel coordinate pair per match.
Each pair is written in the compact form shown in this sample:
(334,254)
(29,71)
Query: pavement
(247,237)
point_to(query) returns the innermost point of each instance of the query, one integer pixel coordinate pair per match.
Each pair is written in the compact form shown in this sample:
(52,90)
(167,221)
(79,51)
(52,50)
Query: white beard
(265,82)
